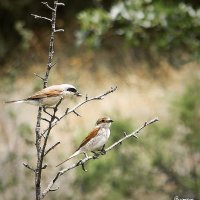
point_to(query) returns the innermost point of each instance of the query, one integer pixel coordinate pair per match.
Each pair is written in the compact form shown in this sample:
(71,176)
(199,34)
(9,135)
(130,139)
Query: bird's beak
(77,94)
(110,121)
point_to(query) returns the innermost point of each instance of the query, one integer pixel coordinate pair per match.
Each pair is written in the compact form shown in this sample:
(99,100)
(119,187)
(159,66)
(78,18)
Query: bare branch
(45,111)
(44,119)
(28,167)
(68,111)
(59,102)
(53,190)
(86,159)
(39,76)
(76,113)
(54,64)
(41,17)
(48,6)
(60,4)
(133,134)
(51,148)
(44,166)
(59,30)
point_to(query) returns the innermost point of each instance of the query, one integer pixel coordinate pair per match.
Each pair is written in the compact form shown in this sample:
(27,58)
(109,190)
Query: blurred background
(151,51)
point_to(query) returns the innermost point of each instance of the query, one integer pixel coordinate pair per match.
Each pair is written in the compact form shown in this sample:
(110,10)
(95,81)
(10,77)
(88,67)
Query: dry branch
(42,136)
(48,6)
(73,110)
(86,159)
(51,148)
(29,167)
(41,17)
(41,147)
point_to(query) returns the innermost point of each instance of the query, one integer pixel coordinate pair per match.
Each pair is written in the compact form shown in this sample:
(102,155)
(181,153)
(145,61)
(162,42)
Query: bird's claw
(102,151)
(96,155)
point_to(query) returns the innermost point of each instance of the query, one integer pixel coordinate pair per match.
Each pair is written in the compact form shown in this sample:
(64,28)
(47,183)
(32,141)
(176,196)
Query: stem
(51,44)
(86,159)
(43,136)
(38,148)
(41,148)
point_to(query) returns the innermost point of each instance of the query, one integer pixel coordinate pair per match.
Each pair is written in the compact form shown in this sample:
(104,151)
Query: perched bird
(49,96)
(96,138)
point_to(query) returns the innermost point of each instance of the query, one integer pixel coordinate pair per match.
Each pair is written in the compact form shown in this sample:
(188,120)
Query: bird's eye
(72,90)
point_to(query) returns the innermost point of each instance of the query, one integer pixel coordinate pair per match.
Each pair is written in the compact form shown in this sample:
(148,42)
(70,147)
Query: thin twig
(59,30)
(133,134)
(41,17)
(51,148)
(76,113)
(53,190)
(48,6)
(28,167)
(39,76)
(68,111)
(60,4)
(44,119)
(54,64)
(86,159)
(51,43)
(44,166)
(45,111)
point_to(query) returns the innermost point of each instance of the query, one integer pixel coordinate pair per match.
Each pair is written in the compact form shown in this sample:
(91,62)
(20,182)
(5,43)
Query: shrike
(96,139)
(49,96)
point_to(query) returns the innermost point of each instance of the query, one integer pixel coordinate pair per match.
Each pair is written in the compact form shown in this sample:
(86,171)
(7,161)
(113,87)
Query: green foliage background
(153,26)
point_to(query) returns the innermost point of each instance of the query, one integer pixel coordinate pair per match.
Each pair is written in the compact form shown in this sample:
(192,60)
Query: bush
(158,24)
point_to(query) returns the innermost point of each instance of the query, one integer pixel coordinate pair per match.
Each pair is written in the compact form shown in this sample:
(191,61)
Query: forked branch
(73,110)
(41,147)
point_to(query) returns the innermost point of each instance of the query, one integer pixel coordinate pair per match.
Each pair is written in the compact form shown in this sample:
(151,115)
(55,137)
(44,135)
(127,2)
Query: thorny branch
(86,159)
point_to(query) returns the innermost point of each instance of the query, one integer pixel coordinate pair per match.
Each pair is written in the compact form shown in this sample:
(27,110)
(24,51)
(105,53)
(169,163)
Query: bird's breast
(50,101)
(98,141)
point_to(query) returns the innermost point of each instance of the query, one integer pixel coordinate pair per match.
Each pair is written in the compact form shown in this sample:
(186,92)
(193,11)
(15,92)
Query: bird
(49,96)
(96,139)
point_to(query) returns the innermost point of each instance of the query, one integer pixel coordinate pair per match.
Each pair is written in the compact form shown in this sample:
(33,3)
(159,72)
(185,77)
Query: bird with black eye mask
(49,96)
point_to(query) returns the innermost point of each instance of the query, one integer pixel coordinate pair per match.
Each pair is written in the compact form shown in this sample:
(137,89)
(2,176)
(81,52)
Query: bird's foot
(102,151)
(96,155)
(85,154)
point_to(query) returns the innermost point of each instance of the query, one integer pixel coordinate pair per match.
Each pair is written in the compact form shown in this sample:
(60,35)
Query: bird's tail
(16,101)
(73,155)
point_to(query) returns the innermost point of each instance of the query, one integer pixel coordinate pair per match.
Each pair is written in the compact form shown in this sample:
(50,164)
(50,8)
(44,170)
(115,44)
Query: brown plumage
(95,139)
(49,96)
(45,93)
(91,135)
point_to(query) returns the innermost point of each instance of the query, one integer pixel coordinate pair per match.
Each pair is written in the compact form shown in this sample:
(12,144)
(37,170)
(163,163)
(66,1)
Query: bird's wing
(91,135)
(45,93)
